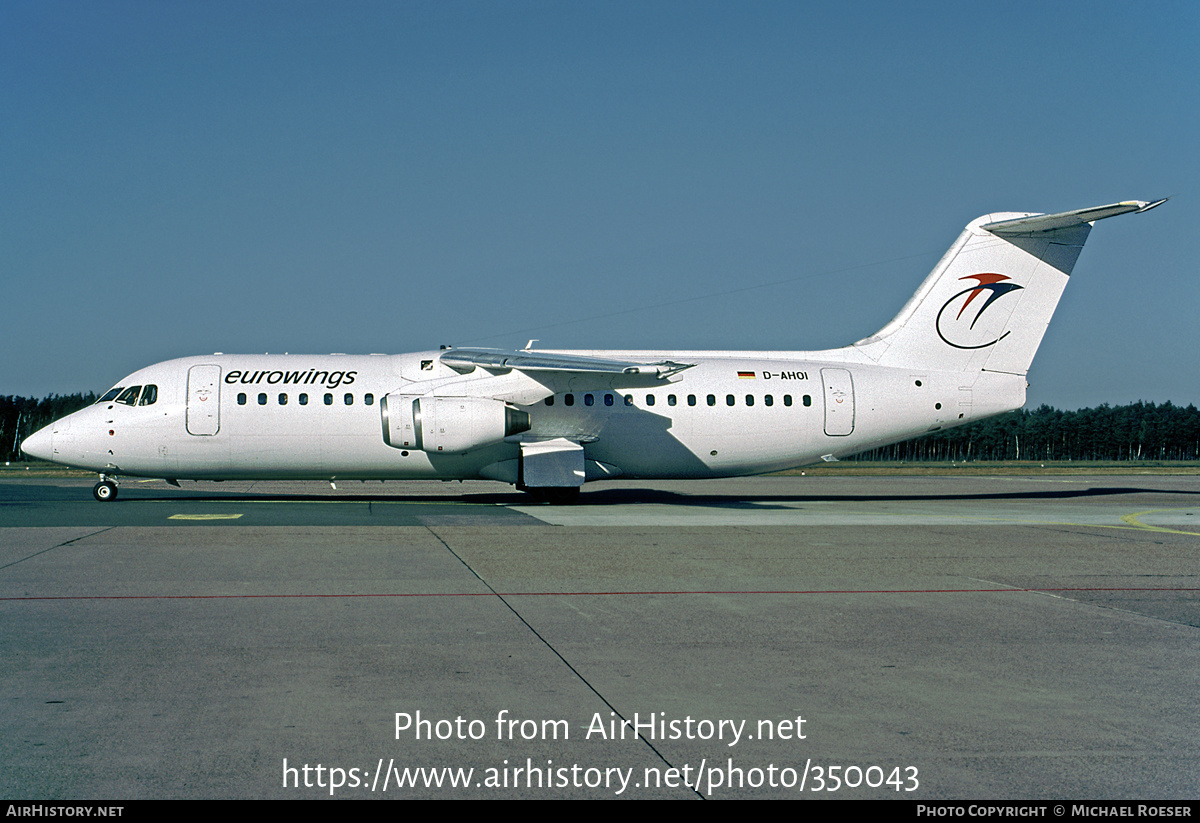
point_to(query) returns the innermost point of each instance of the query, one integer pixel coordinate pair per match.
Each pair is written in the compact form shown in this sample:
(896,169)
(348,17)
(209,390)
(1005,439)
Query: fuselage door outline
(839,402)
(204,400)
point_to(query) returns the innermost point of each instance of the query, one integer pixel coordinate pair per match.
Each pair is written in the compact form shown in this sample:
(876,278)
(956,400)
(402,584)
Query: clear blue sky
(180,178)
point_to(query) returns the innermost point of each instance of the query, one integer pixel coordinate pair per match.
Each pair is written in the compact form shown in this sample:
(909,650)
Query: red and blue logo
(964,327)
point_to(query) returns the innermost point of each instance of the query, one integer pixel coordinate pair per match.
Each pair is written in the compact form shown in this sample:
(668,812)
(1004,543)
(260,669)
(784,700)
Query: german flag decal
(745,375)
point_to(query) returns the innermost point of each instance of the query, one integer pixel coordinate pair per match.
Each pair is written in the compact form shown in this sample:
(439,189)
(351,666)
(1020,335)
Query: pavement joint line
(1004,589)
(1107,606)
(582,679)
(1047,593)
(1131,519)
(59,546)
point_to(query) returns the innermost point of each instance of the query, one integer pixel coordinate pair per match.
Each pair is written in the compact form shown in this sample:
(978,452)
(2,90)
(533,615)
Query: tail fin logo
(965,329)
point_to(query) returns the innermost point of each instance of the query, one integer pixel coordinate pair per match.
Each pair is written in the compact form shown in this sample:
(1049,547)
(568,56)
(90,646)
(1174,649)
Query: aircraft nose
(40,444)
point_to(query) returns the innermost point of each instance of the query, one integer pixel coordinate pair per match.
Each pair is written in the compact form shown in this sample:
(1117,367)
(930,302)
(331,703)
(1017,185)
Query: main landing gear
(105,490)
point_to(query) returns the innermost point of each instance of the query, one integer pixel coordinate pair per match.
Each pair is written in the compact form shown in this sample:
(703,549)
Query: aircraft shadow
(643,496)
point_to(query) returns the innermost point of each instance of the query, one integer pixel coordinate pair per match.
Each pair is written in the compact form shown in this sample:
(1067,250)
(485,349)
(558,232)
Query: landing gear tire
(105,491)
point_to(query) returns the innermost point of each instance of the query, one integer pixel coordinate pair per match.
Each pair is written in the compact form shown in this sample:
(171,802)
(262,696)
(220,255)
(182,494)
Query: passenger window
(787,400)
(730,400)
(303,399)
(588,400)
(369,399)
(348,399)
(670,400)
(283,399)
(110,394)
(769,400)
(807,400)
(691,399)
(649,400)
(569,399)
(149,396)
(608,399)
(550,400)
(328,399)
(129,396)
(262,399)
(629,400)
(712,400)
(241,398)
(749,400)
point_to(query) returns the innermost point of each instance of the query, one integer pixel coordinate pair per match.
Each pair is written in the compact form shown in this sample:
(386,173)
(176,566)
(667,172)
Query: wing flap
(464,360)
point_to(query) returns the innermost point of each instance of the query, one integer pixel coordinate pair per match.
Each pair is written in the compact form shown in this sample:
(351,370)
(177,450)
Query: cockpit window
(110,394)
(149,395)
(130,395)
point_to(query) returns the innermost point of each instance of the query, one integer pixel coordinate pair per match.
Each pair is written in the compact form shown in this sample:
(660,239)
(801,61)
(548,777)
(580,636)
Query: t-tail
(986,304)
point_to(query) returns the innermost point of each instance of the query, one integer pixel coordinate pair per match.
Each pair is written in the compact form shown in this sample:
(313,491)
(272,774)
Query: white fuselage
(321,417)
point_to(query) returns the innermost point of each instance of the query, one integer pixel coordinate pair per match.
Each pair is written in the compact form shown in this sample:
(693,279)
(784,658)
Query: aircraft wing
(464,360)
(1067,219)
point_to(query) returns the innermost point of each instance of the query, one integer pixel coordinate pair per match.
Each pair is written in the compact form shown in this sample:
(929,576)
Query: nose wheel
(105,490)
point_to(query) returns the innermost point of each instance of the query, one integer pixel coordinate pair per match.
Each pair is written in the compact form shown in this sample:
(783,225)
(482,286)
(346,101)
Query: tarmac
(802,637)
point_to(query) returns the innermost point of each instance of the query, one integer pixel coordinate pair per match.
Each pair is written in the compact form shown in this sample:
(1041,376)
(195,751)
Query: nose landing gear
(105,490)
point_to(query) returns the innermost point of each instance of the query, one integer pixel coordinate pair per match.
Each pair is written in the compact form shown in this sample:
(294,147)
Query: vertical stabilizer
(986,304)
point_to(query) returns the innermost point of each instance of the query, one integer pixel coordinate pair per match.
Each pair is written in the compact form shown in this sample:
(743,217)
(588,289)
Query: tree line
(1138,431)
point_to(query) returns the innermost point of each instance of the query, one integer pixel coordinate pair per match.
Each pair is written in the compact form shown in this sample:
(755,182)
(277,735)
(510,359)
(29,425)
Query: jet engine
(448,425)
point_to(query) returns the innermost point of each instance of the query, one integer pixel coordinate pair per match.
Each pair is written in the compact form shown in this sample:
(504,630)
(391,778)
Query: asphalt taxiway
(940,638)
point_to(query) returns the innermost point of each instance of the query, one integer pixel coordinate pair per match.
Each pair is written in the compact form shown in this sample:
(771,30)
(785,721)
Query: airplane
(547,421)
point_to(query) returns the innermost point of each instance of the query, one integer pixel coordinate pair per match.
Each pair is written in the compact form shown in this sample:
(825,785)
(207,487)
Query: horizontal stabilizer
(1067,219)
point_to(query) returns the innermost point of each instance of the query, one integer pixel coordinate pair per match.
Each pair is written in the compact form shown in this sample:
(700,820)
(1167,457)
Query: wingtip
(1146,206)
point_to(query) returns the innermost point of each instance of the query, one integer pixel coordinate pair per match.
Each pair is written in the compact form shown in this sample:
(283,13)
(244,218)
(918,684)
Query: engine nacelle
(449,425)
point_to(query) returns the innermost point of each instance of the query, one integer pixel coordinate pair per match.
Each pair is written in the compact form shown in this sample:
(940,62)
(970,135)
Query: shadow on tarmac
(132,495)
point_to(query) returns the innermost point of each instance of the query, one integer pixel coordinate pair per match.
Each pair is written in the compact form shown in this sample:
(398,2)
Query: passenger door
(204,400)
